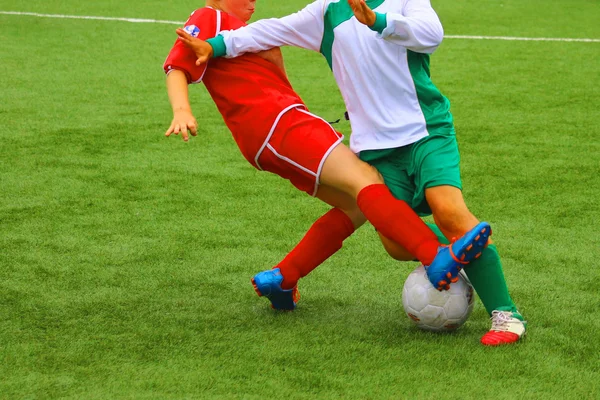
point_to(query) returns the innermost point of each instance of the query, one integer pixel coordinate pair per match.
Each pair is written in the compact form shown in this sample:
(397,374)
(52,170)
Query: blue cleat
(452,258)
(268,284)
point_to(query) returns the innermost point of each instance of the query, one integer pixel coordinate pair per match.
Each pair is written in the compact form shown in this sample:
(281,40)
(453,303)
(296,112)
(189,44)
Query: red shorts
(297,149)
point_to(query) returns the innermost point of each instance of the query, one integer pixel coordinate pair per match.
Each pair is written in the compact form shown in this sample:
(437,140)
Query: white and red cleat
(507,327)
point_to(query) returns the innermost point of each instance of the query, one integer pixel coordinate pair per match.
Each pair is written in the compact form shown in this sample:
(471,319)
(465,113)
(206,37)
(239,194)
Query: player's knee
(356,216)
(368,176)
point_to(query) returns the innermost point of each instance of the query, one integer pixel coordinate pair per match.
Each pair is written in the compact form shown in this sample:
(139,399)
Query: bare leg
(343,201)
(347,173)
(450,212)
(486,273)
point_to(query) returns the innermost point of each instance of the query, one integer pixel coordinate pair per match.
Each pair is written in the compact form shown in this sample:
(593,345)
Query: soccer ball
(433,310)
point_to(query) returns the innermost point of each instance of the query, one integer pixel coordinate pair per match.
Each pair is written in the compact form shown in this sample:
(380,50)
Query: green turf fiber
(125,257)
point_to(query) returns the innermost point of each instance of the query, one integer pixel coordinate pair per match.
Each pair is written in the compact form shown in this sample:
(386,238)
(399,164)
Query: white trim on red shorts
(266,142)
(333,146)
(289,160)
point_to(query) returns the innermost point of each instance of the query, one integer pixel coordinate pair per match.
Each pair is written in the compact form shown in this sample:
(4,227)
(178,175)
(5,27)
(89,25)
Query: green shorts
(409,170)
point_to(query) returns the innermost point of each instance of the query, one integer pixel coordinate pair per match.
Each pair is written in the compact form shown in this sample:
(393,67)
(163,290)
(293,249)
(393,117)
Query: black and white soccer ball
(433,310)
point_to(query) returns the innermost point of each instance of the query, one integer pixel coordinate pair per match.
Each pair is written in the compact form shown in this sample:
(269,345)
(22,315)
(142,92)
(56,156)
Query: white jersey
(383,77)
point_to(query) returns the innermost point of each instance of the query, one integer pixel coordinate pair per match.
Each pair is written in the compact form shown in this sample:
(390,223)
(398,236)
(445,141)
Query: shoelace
(454,239)
(500,319)
(454,257)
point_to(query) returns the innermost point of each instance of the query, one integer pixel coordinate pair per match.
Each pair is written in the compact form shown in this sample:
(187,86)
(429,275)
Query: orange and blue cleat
(452,258)
(268,284)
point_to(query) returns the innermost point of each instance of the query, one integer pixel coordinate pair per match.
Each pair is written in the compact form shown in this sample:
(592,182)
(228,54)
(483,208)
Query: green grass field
(125,257)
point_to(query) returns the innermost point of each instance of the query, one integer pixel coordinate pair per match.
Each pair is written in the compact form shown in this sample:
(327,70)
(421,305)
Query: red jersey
(250,92)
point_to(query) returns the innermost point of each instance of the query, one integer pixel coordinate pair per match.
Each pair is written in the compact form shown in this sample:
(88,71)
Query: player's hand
(362,12)
(202,49)
(183,121)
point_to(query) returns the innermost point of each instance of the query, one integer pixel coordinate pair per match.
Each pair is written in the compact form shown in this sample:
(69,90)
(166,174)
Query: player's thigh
(435,161)
(339,199)
(344,171)
(436,168)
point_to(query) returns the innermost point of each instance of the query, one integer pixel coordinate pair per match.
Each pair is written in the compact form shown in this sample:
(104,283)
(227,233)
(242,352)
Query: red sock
(398,222)
(322,240)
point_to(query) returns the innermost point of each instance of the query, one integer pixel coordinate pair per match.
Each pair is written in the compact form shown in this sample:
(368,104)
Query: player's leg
(296,152)
(397,221)
(435,166)
(390,216)
(324,238)
(305,149)
(394,165)
(486,275)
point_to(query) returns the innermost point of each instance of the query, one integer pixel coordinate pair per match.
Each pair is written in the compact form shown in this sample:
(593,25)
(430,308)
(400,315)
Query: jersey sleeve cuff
(380,22)
(170,68)
(218,45)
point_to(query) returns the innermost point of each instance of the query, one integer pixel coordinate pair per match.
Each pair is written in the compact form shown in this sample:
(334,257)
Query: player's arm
(417,27)
(182,70)
(183,119)
(302,29)
(204,50)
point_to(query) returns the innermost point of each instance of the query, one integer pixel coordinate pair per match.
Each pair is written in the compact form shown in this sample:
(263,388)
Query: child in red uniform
(275,132)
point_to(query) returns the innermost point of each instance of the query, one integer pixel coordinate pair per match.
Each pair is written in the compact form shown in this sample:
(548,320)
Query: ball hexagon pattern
(432,310)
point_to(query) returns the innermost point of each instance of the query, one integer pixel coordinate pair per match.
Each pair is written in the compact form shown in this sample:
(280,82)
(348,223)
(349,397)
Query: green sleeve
(218,45)
(380,22)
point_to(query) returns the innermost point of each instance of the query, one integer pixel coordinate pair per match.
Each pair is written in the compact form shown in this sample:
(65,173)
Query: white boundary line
(135,20)
(180,23)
